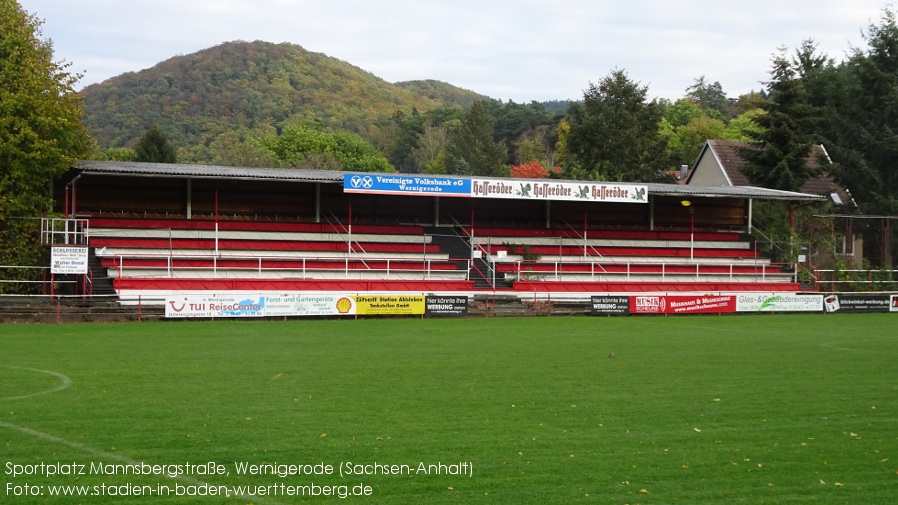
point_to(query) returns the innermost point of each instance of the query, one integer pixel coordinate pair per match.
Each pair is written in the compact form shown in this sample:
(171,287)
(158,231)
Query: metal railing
(133,265)
(629,271)
(856,280)
(64,231)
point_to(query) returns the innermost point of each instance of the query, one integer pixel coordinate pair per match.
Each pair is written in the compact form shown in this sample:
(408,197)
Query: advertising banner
(893,307)
(256,305)
(607,305)
(422,185)
(856,303)
(559,190)
(413,185)
(68,260)
(682,304)
(778,302)
(446,306)
(389,305)
(232,305)
(309,305)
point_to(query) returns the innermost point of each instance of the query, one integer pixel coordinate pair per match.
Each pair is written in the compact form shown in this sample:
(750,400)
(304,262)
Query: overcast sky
(519,50)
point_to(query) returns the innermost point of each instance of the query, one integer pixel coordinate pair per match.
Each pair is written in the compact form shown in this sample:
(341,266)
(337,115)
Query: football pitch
(699,409)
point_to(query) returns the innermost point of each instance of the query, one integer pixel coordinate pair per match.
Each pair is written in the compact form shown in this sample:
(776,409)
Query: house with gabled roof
(720,164)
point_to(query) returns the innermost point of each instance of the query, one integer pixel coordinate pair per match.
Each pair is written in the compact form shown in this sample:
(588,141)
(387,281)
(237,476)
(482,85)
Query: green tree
(432,144)
(614,134)
(308,145)
(749,101)
(154,147)
(709,96)
(236,150)
(473,150)
(119,154)
(777,157)
(41,134)
(862,118)
(692,137)
(744,126)
(682,111)
(519,123)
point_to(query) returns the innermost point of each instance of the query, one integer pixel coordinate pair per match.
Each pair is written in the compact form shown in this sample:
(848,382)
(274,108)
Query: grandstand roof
(136,169)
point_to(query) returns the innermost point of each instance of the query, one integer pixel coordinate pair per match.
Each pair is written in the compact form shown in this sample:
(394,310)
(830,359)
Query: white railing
(125,265)
(594,270)
(64,231)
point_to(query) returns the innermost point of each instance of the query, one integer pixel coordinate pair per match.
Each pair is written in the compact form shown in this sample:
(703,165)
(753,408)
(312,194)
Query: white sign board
(258,305)
(778,302)
(68,260)
(559,190)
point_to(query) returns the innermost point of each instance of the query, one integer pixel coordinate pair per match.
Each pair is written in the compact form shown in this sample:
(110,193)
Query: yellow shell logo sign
(344,305)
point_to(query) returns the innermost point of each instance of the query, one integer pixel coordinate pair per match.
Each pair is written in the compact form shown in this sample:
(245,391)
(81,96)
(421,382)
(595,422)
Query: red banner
(680,304)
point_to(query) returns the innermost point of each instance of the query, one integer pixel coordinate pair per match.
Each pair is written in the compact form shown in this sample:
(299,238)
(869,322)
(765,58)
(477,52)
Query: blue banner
(399,184)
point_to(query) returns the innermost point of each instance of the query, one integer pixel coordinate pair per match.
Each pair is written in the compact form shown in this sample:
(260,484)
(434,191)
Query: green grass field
(732,409)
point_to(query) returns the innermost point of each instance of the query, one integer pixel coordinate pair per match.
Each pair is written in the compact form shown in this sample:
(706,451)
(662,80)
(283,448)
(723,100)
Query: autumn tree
(41,134)
(531,170)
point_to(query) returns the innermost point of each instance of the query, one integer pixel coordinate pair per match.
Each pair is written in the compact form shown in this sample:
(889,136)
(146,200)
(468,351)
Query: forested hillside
(245,89)
(442,92)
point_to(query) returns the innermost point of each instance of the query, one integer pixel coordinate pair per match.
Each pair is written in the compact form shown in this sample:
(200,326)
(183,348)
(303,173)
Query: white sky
(520,50)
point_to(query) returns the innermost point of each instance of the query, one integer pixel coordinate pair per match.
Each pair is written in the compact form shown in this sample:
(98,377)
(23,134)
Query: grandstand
(155,230)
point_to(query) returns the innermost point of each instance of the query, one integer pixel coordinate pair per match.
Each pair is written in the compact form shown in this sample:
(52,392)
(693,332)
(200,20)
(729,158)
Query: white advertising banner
(778,302)
(257,305)
(559,190)
(68,260)
(310,305)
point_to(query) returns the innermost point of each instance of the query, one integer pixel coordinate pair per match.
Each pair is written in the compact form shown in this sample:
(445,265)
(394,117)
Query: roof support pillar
(189,198)
(317,202)
(651,213)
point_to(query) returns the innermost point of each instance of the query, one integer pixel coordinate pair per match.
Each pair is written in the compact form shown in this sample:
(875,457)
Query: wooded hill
(245,89)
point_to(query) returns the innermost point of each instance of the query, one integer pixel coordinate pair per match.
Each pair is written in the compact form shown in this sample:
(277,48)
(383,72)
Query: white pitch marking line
(66,382)
(831,345)
(117,457)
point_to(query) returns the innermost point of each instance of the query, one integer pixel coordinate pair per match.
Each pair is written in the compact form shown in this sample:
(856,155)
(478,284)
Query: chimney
(684,169)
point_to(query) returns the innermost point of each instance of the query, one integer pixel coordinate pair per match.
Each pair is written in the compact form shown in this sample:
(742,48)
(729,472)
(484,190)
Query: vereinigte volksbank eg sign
(420,185)
(406,185)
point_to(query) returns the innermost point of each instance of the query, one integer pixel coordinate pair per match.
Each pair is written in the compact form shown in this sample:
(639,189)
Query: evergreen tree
(472,149)
(614,134)
(708,96)
(41,134)
(862,119)
(154,147)
(777,158)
